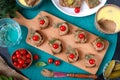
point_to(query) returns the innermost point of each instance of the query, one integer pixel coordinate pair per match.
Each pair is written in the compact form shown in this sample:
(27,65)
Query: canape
(98,44)
(63,28)
(80,36)
(37,38)
(44,22)
(90,60)
(72,55)
(92,3)
(70,3)
(55,45)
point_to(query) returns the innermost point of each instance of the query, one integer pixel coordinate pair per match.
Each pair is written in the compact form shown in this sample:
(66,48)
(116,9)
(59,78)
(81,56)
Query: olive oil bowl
(111,70)
(29,4)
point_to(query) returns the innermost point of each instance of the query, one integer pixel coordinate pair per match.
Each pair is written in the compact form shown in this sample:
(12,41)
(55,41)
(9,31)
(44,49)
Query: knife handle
(82,76)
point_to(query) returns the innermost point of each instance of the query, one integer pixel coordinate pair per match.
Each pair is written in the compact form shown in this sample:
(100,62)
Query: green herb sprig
(8,8)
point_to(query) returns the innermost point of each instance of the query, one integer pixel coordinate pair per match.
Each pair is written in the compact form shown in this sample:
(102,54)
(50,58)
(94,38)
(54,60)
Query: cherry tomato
(18,59)
(14,57)
(72,56)
(55,46)
(50,60)
(15,63)
(18,55)
(23,51)
(35,57)
(77,9)
(21,62)
(28,56)
(62,28)
(28,60)
(57,62)
(19,66)
(24,65)
(81,36)
(99,44)
(24,57)
(42,22)
(35,37)
(92,61)
(17,52)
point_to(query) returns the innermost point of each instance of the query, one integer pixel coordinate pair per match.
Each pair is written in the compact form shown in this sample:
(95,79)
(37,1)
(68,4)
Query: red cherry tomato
(18,55)
(77,9)
(50,60)
(24,65)
(21,62)
(72,56)
(35,57)
(15,63)
(42,22)
(17,52)
(24,57)
(99,44)
(18,59)
(19,66)
(92,61)
(14,57)
(23,51)
(81,36)
(57,62)
(28,56)
(35,38)
(55,46)
(28,60)
(62,28)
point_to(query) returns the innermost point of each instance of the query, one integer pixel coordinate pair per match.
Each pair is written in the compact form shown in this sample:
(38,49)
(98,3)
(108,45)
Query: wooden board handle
(26,22)
(21,19)
(82,76)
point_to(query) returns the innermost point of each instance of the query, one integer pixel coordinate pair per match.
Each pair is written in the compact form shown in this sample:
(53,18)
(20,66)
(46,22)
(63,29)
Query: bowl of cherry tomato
(21,58)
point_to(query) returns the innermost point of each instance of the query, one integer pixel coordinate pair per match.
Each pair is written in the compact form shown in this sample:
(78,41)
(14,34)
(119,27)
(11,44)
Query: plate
(85,11)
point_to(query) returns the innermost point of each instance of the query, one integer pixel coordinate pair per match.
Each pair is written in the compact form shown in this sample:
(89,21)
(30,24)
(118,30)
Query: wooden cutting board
(51,32)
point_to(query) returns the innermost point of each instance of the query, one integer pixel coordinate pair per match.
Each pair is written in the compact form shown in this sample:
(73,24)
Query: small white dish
(85,10)
(106,65)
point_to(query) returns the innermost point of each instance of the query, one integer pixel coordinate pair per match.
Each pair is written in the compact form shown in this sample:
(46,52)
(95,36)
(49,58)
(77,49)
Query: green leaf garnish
(57,25)
(32,32)
(3,77)
(99,39)
(52,41)
(89,56)
(8,8)
(42,17)
(40,64)
(10,78)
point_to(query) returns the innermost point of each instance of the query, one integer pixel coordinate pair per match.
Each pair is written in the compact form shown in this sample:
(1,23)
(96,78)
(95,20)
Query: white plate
(85,11)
